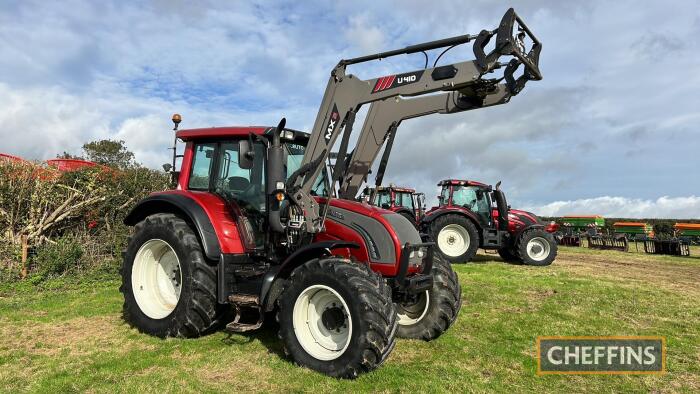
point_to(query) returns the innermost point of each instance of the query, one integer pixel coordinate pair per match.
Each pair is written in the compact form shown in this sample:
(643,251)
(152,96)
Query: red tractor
(253,224)
(402,200)
(466,220)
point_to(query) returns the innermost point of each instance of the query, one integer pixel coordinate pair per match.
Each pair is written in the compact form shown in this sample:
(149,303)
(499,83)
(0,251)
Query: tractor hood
(525,215)
(384,232)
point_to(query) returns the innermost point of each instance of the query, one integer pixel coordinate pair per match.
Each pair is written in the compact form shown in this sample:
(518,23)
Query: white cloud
(367,37)
(621,207)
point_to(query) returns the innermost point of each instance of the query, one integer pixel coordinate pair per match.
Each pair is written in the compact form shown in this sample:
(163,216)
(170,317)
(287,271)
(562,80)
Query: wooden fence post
(25,248)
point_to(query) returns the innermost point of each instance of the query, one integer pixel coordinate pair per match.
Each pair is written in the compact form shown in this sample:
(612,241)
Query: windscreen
(295,154)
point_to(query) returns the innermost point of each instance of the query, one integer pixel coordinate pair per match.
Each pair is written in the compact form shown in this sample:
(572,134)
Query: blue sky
(612,128)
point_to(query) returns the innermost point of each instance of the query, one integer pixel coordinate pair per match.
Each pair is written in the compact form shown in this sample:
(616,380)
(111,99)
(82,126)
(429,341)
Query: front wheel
(536,247)
(336,317)
(434,310)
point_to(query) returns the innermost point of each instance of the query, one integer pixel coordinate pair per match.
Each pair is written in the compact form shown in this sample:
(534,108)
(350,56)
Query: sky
(612,128)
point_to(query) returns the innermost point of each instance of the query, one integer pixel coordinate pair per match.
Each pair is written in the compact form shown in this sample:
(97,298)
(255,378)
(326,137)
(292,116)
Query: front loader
(253,226)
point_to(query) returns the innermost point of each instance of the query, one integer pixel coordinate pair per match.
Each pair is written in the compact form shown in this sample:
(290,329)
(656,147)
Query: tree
(66,155)
(109,153)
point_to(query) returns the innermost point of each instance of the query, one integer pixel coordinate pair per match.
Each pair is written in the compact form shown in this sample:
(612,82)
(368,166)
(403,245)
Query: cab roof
(219,132)
(461,182)
(396,189)
(231,131)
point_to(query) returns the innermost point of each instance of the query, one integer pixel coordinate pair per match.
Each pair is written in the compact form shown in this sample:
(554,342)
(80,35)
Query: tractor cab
(471,195)
(230,162)
(487,204)
(402,200)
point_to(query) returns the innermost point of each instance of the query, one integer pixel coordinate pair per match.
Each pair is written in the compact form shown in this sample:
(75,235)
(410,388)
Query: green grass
(68,336)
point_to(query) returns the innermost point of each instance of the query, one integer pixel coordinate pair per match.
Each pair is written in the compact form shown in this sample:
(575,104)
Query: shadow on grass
(489,258)
(267,335)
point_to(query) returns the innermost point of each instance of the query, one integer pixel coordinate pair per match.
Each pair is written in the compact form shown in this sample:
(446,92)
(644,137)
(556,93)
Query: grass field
(70,337)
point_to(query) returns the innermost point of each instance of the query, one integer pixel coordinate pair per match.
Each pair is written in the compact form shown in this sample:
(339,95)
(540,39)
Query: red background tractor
(402,200)
(466,220)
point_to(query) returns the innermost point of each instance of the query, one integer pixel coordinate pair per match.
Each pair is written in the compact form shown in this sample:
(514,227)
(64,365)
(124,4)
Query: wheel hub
(410,313)
(333,318)
(538,249)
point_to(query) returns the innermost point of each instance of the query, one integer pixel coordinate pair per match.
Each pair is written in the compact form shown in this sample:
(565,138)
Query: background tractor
(473,215)
(402,200)
(253,223)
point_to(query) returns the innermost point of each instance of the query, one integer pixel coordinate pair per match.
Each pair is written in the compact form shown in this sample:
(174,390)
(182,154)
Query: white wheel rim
(538,248)
(321,340)
(156,279)
(453,240)
(411,314)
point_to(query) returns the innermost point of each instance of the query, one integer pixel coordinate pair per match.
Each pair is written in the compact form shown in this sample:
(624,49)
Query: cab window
(475,199)
(383,200)
(201,166)
(245,186)
(295,155)
(444,195)
(404,200)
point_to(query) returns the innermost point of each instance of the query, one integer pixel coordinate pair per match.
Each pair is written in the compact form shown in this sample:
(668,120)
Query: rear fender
(525,228)
(430,218)
(185,207)
(273,282)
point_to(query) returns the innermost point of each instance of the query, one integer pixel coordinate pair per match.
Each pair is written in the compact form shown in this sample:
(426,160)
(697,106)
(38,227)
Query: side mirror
(246,154)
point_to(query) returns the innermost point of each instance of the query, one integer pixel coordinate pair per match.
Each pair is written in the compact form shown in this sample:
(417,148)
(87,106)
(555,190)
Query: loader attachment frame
(345,94)
(384,118)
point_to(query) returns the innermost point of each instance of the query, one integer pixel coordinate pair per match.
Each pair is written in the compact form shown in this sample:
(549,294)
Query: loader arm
(384,118)
(345,94)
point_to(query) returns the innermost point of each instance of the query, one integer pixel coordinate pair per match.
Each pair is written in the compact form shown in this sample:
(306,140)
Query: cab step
(252,302)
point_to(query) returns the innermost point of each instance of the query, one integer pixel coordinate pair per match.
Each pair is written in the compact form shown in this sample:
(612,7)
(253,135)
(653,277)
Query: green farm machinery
(679,245)
(573,227)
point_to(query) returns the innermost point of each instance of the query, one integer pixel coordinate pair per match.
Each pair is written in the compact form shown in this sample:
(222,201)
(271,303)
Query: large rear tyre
(169,289)
(435,310)
(411,218)
(456,237)
(336,317)
(536,247)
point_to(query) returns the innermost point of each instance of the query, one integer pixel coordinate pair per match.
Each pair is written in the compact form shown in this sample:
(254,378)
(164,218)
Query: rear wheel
(436,309)
(456,238)
(411,218)
(536,247)
(509,255)
(336,317)
(169,289)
